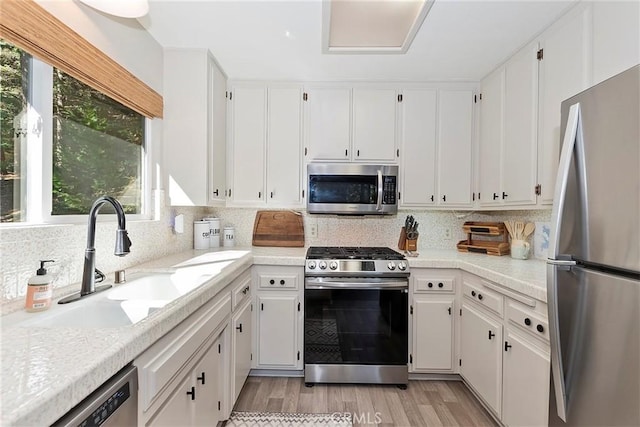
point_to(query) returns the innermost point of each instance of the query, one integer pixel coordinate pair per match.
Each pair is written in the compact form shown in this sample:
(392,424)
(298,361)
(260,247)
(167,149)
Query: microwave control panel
(389,189)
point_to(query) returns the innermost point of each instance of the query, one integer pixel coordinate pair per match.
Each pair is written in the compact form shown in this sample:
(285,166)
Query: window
(66,140)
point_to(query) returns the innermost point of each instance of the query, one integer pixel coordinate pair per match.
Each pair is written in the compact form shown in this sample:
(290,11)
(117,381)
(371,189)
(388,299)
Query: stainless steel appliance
(593,272)
(115,403)
(356,316)
(352,189)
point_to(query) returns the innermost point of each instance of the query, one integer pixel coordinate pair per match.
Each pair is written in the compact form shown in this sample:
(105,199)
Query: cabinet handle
(507,346)
(495,196)
(444,198)
(282,282)
(527,321)
(215,193)
(346,153)
(259,194)
(201,378)
(245,290)
(440,285)
(192,393)
(504,195)
(398,152)
(272,282)
(358,153)
(430,285)
(491,334)
(239,328)
(480,297)
(473,293)
(432,198)
(449,310)
(229,192)
(271,195)
(540,328)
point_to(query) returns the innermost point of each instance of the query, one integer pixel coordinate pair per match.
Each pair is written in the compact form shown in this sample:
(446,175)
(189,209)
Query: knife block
(411,245)
(407,244)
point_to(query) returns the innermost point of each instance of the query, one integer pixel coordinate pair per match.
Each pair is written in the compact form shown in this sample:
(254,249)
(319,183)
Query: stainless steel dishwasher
(114,403)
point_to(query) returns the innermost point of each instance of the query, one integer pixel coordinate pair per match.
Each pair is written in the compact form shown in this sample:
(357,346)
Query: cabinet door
(491,135)
(418,147)
(327,123)
(519,151)
(564,72)
(207,377)
(277,330)
(432,333)
(241,358)
(217,133)
(481,354)
(526,383)
(248,144)
(284,143)
(179,407)
(185,126)
(374,124)
(455,125)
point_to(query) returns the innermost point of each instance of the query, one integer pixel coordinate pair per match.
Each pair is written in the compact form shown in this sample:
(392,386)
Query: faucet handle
(99,276)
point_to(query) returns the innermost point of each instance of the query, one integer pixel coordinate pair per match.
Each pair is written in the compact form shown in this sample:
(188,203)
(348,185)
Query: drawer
(273,277)
(484,297)
(533,322)
(241,289)
(434,284)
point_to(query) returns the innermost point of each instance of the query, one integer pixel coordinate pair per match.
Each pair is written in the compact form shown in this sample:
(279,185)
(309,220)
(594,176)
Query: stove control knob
(402,266)
(391,265)
(333,265)
(322,265)
(312,265)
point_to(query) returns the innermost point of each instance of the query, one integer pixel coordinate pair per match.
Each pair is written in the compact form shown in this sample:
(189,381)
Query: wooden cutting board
(278,228)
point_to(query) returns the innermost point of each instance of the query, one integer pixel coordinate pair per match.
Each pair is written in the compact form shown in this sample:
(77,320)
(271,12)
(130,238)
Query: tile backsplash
(22,247)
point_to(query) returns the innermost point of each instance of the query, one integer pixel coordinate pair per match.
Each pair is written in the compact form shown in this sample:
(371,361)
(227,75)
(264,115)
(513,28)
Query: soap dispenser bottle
(39,289)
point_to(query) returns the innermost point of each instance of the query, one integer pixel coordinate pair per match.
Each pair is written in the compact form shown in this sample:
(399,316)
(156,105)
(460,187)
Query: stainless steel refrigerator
(593,270)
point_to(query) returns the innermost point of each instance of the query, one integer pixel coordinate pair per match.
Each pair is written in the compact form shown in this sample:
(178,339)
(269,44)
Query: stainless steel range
(356,315)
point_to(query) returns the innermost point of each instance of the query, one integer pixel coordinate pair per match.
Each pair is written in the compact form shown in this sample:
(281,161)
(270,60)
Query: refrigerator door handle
(557,370)
(571,132)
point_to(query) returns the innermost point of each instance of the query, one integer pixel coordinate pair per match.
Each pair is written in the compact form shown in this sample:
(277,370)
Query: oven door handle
(379,205)
(388,284)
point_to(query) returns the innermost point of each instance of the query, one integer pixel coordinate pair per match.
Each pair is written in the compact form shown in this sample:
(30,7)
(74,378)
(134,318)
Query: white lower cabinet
(278,317)
(481,355)
(525,381)
(240,348)
(432,333)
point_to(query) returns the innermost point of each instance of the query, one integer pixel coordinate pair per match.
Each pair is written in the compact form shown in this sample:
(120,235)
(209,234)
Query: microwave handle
(379,206)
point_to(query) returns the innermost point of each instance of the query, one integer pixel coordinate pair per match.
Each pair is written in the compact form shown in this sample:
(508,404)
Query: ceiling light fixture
(122,8)
(371,26)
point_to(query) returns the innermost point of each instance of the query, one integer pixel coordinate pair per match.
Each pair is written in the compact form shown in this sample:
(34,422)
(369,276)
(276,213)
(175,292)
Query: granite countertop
(47,371)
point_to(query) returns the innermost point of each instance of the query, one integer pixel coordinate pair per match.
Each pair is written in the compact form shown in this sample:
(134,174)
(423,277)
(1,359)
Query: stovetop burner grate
(353,252)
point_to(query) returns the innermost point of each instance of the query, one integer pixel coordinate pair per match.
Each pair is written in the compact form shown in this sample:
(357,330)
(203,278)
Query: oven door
(356,321)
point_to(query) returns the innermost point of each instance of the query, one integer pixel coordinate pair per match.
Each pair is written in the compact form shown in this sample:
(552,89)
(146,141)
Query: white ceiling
(281,40)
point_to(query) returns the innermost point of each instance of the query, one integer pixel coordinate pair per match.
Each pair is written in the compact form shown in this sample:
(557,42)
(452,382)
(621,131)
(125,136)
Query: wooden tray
(278,228)
(484,247)
(484,228)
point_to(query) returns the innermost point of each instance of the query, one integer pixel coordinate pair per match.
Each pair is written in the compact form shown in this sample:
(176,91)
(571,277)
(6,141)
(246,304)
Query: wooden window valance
(30,27)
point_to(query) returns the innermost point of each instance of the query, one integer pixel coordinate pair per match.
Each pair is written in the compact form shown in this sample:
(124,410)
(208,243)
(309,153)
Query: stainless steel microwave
(352,189)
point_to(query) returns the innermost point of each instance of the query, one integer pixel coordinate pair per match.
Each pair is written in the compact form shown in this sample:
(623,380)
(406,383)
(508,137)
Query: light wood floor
(423,403)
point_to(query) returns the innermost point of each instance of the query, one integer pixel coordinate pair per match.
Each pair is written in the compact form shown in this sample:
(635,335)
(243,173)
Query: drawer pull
(527,321)
(540,328)
(245,290)
(239,328)
(491,334)
(430,285)
(192,393)
(201,378)
(440,285)
(282,282)
(507,346)
(480,297)
(473,293)
(272,282)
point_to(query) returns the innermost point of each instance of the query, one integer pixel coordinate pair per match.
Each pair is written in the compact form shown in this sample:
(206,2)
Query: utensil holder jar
(520,249)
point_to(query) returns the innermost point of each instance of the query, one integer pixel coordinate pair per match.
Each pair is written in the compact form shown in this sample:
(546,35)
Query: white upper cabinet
(508,141)
(436,129)
(616,38)
(564,72)
(284,144)
(455,136)
(374,124)
(491,136)
(247,150)
(327,123)
(419,140)
(193,127)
